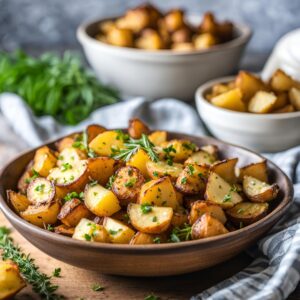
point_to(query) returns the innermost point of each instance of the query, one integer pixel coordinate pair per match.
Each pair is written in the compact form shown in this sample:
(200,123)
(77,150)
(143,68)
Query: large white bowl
(163,73)
(263,133)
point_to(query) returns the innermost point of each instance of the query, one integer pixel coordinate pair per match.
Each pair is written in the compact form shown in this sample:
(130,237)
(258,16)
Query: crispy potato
(286,109)
(219,89)
(154,220)
(87,230)
(64,230)
(201,158)
(141,238)
(162,168)
(72,212)
(249,85)
(281,82)
(70,155)
(183,47)
(127,184)
(174,20)
(136,128)
(18,201)
(150,40)
(25,179)
(40,191)
(120,37)
(282,99)
(180,217)
(259,191)
(118,232)
(104,142)
(11,280)
(101,168)
(247,213)
(139,160)
(231,100)
(200,207)
(207,226)
(158,192)
(158,137)
(191,180)
(42,214)
(212,150)
(226,169)
(100,201)
(220,192)
(205,41)
(179,150)
(262,102)
(257,170)
(64,143)
(44,160)
(182,35)
(294,96)
(93,130)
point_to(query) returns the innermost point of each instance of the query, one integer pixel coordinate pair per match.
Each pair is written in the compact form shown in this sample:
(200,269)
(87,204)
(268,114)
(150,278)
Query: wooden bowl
(149,260)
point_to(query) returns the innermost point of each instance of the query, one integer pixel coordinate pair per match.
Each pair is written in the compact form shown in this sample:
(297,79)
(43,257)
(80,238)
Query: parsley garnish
(168,157)
(114,232)
(130,183)
(66,166)
(40,188)
(156,240)
(56,272)
(189,146)
(154,219)
(191,169)
(73,195)
(151,297)
(146,208)
(183,180)
(111,180)
(97,287)
(93,183)
(227,197)
(35,175)
(87,237)
(181,234)
(122,136)
(49,227)
(155,173)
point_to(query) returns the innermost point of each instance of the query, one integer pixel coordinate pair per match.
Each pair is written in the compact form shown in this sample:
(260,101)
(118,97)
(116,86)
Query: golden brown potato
(286,109)
(183,47)
(174,20)
(140,160)
(157,137)
(294,96)
(220,192)
(208,24)
(18,201)
(231,100)
(72,212)
(281,82)
(26,177)
(11,280)
(150,219)
(127,184)
(249,85)
(191,180)
(40,191)
(70,156)
(102,168)
(201,158)
(246,213)
(262,102)
(158,192)
(200,207)
(44,160)
(93,130)
(257,170)
(106,26)
(205,41)
(259,191)
(182,35)
(118,232)
(64,143)
(226,169)
(121,216)
(64,230)
(150,40)
(180,217)
(120,37)
(136,128)
(219,89)
(282,99)
(207,226)
(225,31)
(141,238)
(161,168)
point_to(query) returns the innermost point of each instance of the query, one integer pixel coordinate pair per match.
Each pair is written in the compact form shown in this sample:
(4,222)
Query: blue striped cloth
(275,272)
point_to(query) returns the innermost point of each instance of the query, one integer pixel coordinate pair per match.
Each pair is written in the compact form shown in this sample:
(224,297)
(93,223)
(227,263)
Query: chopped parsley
(151,297)
(66,166)
(130,183)
(40,188)
(111,180)
(155,173)
(97,287)
(87,237)
(191,169)
(56,272)
(168,157)
(154,219)
(146,208)
(49,227)
(156,240)
(73,195)
(35,175)
(121,136)
(93,183)
(240,210)
(181,234)
(183,180)
(114,232)
(189,146)
(227,197)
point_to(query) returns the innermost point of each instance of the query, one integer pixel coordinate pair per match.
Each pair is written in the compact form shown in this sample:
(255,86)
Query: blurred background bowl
(259,132)
(163,73)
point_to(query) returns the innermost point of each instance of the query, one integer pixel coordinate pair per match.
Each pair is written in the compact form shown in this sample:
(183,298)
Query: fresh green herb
(35,175)
(168,157)
(156,240)
(56,272)
(155,173)
(241,225)
(49,227)
(66,166)
(73,195)
(191,169)
(93,183)
(40,282)
(87,237)
(122,136)
(240,210)
(130,183)
(151,297)
(126,218)
(132,146)
(183,180)
(43,82)
(40,188)
(97,287)
(154,219)
(190,146)
(146,208)
(227,197)
(181,234)
(111,180)
(114,232)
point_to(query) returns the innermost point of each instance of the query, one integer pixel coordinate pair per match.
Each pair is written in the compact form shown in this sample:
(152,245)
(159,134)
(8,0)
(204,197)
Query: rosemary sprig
(132,146)
(40,282)
(181,234)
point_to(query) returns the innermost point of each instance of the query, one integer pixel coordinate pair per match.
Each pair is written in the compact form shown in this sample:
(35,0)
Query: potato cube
(139,160)
(262,102)
(294,95)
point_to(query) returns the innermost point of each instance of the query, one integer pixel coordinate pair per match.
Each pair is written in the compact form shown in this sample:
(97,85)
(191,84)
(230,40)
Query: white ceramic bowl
(263,133)
(163,73)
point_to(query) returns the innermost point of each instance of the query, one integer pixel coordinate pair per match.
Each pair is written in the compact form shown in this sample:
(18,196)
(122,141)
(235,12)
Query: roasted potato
(200,207)
(44,160)
(158,192)
(286,109)
(208,24)
(201,158)
(158,137)
(72,212)
(207,226)
(64,143)
(259,191)
(87,230)
(11,281)
(18,201)
(102,168)
(26,177)
(136,128)
(100,201)
(127,184)
(226,169)
(281,82)
(205,41)
(141,238)
(40,191)
(182,35)
(118,232)
(220,192)
(64,230)
(183,47)
(70,156)
(231,100)
(120,37)
(294,96)
(174,20)
(150,219)
(93,130)
(191,180)
(246,213)
(150,40)
(282,99)
(180,217)
(262,102)
(162,168)
(257,170)
(139,160)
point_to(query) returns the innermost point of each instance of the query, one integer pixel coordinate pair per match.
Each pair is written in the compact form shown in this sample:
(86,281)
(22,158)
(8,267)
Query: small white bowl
(163,73)
(259,132)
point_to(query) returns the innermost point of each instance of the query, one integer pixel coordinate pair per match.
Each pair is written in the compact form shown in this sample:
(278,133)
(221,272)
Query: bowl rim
(244,36)
(276,213)
(203,89)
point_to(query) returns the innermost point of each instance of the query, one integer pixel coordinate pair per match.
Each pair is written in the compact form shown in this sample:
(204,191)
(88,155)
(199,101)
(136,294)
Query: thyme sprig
(40,282)
(181,234)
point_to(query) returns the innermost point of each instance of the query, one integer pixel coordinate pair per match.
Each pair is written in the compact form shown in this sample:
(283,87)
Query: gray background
(40,25)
